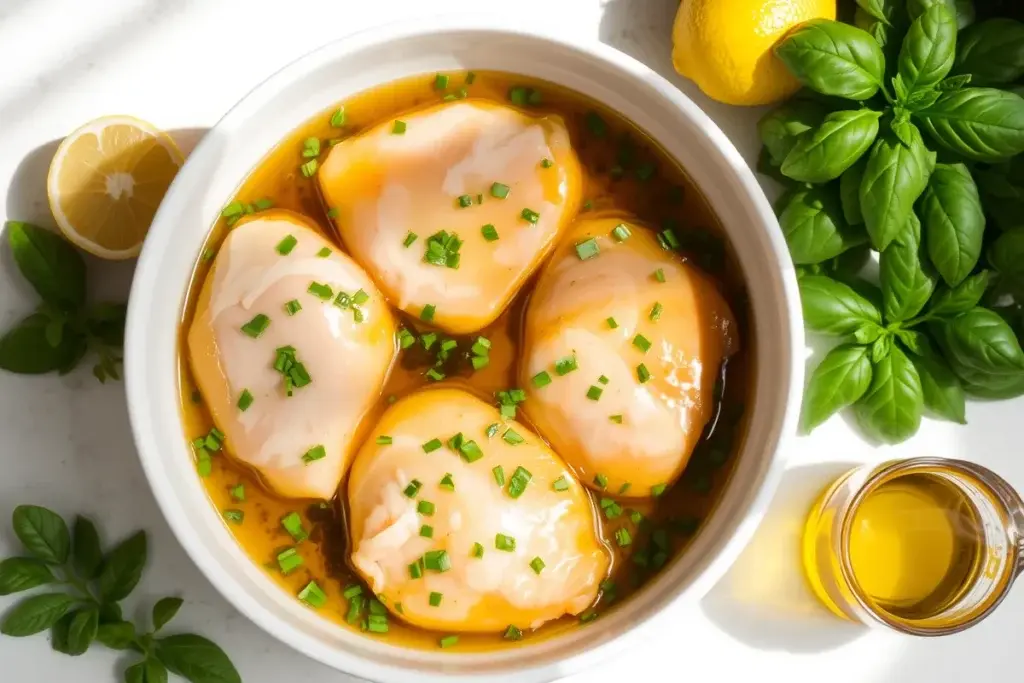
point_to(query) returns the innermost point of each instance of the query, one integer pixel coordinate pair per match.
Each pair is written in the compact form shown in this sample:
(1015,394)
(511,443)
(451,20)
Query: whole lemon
(725,46)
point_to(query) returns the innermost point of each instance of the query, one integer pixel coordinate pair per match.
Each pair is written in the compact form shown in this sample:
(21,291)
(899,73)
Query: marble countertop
(181,64)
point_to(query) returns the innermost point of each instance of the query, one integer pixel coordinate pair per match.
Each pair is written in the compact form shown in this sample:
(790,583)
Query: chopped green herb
(465,201)
(491,430)
(427,314)
(642,373)
(245,400)
(285,246)
(612,510)
(331,213)
(480,362)
(292,523)
(235,208)
(670,238)
(238,493)
(636,517)
(588,616)
(641,342)
(360,297)
(470,451)
(440,81)
(428,339)
(292,307)
(398,128)
(560,484)
(600,480)
(435,599)
(338,118)
(427,531)
(413,488)
(659,275)
(617,419)
(449,641)
(519,481)
(530,216)
(499,190)
(405,338)
(311,148)
(620,232)
(512,437)
(656,310)
(324,252)
(309,168)
(594,392)
(603,380)
(624,488)
(518,95)
(352,591)
(313,595)
(470,77)
(234,516)
(587,249)
(409,239)
(255,327)
(658,489)
(503,542)
(546,163)
(208,254)
(437,560)
(537,565)
(442,249)
(541,379)
(447,483)
(434,375)
(432,445)
(622,537)
(611,323)
(289,560)
(384,440)
(508,411)
(313,454)
(596,125)
(455,443)
(564,366)
(425,508)
(489,232)
(481,346)
(478,550)
(320,291)
(416,569)
(513,633)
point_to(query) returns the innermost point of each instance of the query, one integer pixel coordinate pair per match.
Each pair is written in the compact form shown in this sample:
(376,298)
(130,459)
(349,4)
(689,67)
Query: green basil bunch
(82,604)
(64,326)
(893,148)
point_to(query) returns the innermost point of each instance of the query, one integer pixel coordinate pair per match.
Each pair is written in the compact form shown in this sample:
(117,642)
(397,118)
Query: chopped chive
(333,213)
(324,252)
(480,362)
(384,440)
(235,208)
(621,233)
(413,488)
(603,380)
(670,238)
(481,346)
(658,489)
(642,373)
(448,345)
(320,290)
(535,97)
(489,232)
(470,77)
(440,81)
(264,203)
(622,537)
(313,595)
(612,510)
(512,437)
(409,239)
(478,550)
(204,463)
(588,616)
(432,445)
(338,118)
(435,599)
(425,508)
(518,96)
(238,493)
(537,565)
(448,641)
(311,148)
(196,397)
(292,523)
(541,379)
(360,297)
(499,190)
(508,411)
(455,443)
(560,484)
(641,342)
(427,314)
(470,451)
(285,246)
(530,216)
(611,323)
(587,249)
(437,560)
(519,481)
(656,310)
(503,542)
(624,488)
(289,560)
(313,454)
(208,254)
(594,392)
(564,366)
(617,419)
(427,531)
(447,483)
(600,480)
(636,517)
(255,327)
(428,339)
(416,569)
(465,201)
(491,430)
(434,375)
(234,516)
(405,338)
(309,168)
(352,591)
(513,633)
(245,400)
(596,125)
(546,163)
(659,275)
(398,128)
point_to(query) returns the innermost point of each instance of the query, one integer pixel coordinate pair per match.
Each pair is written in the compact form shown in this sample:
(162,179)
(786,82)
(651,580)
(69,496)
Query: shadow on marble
(764,600)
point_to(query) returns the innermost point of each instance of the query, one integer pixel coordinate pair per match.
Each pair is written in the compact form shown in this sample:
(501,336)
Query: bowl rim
(141,409)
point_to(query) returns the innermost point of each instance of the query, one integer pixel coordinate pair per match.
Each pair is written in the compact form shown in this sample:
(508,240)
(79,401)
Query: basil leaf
(953,83)
(833,307)
(942,392)
(87,555)
(849,192)
(25,350)
(907,283)
(841,378)
(164,610)
(848,265)
(995,387)
(824,153)
(122,568)
(982,340)
(982,124)
(1006,255)
(877,9)
(196,659)
(155,671)
(52,266)
(780,127)
(117,636)
(43,533)
(992,52)
(868,333)
(961,10)
(922,99)
(881,348)
(833,58)
(110,613)
(963,297)
(82,630)
(813,224)
(913,340)
(59,634)
(886,34)
(954,224)
(894,177)
(22,573)
(36,614)
(767,168)
(929,49)
(136,673)
(890,410)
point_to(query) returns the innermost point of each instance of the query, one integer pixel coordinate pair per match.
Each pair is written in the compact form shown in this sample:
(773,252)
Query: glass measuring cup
(926,546)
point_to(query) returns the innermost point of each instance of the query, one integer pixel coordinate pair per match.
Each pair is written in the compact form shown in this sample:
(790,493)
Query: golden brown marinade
(624,171)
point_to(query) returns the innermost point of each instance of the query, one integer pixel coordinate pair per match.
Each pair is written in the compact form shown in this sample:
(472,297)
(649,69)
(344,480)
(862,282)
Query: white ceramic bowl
(231,149)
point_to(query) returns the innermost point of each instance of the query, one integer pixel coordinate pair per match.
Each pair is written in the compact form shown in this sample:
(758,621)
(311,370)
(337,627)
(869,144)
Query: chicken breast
(623,341)
(290,347)
(452,208)
(462,521)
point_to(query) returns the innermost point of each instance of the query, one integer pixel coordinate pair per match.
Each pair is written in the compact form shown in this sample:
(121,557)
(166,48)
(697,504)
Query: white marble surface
(66,442)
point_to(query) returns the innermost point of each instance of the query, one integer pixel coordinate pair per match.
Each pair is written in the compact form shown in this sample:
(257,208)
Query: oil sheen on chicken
(632,338)
(300,444)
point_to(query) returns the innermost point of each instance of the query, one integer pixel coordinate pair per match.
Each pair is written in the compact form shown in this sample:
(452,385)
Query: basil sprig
(64,326)
(81,602)
(916,166)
